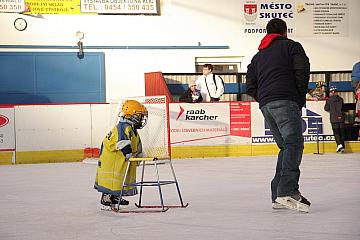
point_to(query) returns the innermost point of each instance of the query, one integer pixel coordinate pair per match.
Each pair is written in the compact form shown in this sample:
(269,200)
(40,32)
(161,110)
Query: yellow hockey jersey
(121,142)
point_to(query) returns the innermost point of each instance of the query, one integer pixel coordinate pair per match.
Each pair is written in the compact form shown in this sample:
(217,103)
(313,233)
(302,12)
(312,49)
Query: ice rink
(229,199)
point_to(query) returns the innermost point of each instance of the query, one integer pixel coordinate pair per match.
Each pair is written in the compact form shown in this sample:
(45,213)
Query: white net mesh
(155,135)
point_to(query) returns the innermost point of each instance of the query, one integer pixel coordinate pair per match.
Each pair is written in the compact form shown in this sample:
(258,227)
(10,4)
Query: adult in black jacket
(277,78)
(334,105)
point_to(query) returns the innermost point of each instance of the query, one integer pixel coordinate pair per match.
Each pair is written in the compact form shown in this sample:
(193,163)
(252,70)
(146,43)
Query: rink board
(72,132)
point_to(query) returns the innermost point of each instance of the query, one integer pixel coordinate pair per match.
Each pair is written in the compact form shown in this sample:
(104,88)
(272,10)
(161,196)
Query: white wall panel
(100,123)
(52,127)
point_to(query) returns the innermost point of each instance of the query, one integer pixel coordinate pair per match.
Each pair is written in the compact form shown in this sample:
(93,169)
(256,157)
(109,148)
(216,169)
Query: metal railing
(179,81)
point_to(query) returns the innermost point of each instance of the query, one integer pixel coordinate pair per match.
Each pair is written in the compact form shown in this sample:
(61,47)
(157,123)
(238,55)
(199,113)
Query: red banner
(240,119)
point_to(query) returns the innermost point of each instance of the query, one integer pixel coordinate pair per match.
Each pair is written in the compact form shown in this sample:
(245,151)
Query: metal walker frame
(156,183)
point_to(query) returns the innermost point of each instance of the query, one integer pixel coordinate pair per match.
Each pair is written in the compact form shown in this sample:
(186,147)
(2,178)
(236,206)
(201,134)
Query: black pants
(339,133)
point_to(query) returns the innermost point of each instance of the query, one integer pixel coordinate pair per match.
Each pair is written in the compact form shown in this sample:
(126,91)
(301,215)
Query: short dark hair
(208,66)
(276,25)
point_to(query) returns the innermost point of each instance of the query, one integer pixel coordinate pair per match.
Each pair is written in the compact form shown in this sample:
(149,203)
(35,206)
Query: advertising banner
(257,13)
(53,6)
(316,124)
(240,119)
(14,6)
(7,130)
(133,7)
(202,124)
(303,17)
(120,6)
(329,18)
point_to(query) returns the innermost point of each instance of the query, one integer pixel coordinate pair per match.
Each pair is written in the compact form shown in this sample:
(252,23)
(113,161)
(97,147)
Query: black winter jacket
(279,71)
(187,96)
(334,105)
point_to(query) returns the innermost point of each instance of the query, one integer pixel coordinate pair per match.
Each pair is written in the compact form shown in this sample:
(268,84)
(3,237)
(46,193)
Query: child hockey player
(121,143)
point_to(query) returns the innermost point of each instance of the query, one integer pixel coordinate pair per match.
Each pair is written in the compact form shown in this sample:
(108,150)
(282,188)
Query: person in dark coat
(191,95)
(278,78)
(334,105)
(355,78)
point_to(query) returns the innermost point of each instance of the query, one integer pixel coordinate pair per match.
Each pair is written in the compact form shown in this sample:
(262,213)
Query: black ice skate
(110,200)
(116,200)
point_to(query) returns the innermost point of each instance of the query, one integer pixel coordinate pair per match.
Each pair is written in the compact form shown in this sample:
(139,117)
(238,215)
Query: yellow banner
(53,6)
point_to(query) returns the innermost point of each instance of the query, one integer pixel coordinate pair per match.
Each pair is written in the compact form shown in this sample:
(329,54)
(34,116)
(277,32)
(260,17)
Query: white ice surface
(229,199)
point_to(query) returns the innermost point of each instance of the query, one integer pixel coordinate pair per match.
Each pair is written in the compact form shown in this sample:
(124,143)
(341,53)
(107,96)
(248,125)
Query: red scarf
(267,40)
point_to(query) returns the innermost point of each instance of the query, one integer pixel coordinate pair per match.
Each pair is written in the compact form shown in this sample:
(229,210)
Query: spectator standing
(210,85)
(334,105)
(355,75)
(355,78)
(277,78)
(357,108)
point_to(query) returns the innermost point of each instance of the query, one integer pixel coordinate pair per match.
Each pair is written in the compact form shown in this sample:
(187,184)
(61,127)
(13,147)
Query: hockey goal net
(155,136)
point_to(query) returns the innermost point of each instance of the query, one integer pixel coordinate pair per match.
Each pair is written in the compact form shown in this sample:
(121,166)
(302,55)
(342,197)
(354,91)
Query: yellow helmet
(135,112)
(319,84)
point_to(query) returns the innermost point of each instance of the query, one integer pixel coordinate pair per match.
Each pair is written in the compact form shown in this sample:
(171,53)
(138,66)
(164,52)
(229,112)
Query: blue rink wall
(72,132)
(51,77)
